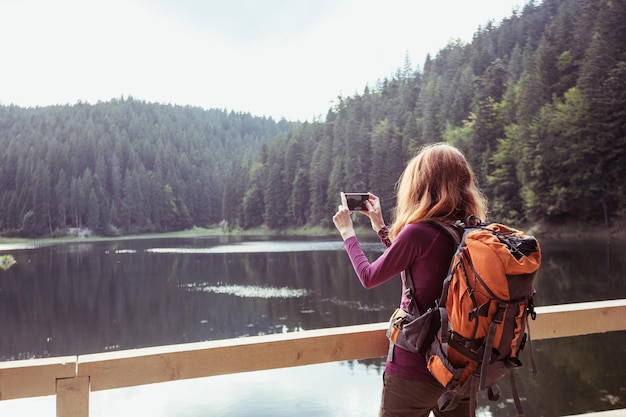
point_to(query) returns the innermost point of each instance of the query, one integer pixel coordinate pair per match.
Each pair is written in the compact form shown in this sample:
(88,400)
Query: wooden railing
(72,378)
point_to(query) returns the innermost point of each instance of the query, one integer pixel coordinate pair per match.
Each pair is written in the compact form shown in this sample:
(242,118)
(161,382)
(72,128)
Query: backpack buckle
(531,310)
(483,311)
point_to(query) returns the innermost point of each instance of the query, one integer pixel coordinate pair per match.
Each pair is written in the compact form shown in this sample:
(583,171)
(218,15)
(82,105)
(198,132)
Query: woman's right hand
(374,212)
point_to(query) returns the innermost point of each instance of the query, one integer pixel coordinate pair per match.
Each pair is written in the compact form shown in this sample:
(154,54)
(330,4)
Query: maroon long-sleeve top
(427,251)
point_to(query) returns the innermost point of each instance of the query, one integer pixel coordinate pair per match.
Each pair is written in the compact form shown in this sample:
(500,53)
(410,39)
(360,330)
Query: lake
(86,297)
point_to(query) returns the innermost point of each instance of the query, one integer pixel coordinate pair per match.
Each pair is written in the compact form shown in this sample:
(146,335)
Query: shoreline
(540,231)
(188,233)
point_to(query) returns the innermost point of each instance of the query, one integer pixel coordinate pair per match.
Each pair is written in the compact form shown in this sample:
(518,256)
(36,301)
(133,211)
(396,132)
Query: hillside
(120,167)
(537,102)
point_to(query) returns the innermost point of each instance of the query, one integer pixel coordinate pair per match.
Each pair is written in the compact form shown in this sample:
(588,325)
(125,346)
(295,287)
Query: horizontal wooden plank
(34,377)
(31,378)
(169,363)
(578,319)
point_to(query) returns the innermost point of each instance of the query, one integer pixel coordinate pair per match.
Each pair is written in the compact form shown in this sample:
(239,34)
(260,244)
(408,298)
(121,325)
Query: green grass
(196,231)
(193,232)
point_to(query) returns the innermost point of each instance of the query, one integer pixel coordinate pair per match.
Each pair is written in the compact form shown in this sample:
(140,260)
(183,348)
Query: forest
(537,102)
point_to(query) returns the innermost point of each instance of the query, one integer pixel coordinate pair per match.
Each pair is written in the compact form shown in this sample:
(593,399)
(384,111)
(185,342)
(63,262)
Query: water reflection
(576,375)
(90,297)
(580,270)
(252,291)
(257,247)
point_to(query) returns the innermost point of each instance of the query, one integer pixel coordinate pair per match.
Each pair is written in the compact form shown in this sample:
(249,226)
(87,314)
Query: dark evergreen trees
(537,103)
(124,166)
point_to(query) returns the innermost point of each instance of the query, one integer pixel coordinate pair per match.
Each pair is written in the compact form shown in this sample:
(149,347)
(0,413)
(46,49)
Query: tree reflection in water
(78,298)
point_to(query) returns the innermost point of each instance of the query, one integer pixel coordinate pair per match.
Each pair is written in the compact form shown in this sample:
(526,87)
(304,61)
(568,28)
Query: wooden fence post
(73,397)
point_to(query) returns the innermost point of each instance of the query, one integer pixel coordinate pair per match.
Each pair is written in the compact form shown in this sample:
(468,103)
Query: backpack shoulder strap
(454,230)
(458,231)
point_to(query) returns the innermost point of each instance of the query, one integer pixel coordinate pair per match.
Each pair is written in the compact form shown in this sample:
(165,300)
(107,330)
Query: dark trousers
(406,398)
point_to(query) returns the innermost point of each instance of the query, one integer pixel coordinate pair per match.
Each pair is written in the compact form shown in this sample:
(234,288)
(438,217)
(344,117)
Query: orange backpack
(473,336)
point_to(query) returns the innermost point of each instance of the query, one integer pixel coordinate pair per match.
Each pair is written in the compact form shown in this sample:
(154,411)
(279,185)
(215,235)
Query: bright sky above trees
(279,58)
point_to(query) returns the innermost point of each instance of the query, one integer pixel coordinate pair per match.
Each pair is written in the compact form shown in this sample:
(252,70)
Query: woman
(437,183)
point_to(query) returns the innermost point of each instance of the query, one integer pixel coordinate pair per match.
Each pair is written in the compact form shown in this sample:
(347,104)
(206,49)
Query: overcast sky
(278,58)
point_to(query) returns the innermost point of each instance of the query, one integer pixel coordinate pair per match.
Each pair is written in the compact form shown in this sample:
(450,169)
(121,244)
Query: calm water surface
(78,298)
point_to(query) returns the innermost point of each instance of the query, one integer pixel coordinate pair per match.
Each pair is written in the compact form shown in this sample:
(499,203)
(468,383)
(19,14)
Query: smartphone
(356,201)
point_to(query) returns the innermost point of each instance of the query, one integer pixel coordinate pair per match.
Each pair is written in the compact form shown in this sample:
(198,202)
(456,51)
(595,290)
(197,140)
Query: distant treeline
(120,167)
(537,103)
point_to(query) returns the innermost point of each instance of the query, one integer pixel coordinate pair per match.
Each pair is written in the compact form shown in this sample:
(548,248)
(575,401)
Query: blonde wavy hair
(439,184)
